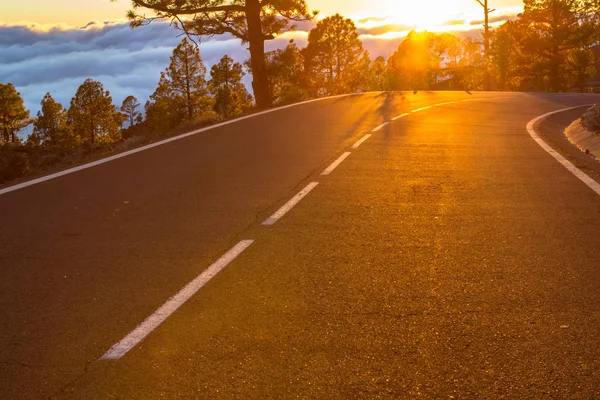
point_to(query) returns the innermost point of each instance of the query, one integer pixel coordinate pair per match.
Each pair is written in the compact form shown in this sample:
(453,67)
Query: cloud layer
(57,59)
(38,59)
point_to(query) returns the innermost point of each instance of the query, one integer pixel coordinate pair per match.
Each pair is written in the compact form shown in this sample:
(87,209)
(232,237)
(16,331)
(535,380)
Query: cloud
(496,19)
(383,29)
(371,20)
(58,58)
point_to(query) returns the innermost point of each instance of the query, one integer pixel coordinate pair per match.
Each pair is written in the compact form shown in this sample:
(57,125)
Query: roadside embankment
(586,140)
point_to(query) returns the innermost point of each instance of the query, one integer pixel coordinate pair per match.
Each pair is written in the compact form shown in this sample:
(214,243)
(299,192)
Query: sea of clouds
(57,59)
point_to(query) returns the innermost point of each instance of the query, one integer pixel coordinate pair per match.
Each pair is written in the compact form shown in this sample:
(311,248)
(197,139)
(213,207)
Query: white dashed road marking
(400,116)
(290,204)
(361,141)
(160,315)
(335,164)
(421,109)
(380,127)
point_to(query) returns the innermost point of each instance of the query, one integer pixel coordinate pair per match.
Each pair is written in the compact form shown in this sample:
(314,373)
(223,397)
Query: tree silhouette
(92,114)
(335,58)
(129,109)
(378,78)
(230,94)
(13,114)
(182,92)
(580,64)
(555,27)
(287,76)
(486,42)
(251,21)
(415,63)
(50,126)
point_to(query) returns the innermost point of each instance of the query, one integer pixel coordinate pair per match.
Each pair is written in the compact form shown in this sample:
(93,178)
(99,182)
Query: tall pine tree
(92,114)
(251,21)
(182,92)
(50,126)
(230,94)
(13,114)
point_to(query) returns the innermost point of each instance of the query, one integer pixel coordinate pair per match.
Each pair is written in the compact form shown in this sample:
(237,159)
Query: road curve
(445,255)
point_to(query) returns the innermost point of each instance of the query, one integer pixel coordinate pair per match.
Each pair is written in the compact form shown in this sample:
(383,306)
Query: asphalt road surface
(446,256)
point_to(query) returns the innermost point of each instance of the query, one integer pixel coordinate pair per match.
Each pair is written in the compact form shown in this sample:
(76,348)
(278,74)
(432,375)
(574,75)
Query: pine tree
(13,114)
(92,114)
(287,75)
(182,92)
(251,21)
(555,28)
(230,94)
(334,57)
(50,126)
(129,109)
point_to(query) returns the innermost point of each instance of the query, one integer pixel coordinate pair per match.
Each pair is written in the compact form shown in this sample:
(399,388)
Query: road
(447,256)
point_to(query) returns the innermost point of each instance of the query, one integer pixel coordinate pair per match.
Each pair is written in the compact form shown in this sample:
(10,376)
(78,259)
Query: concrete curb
(587,141)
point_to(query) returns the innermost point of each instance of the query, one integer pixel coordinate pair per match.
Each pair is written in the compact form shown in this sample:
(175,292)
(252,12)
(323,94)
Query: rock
(591,118)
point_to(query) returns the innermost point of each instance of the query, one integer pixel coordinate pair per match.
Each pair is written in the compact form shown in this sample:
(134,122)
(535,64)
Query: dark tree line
(547,48)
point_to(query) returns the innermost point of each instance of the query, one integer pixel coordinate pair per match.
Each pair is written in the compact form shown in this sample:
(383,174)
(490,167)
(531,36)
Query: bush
(13,164)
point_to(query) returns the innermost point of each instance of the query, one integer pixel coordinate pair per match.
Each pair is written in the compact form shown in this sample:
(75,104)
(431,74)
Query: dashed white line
(380,127)
(153,145)
(592,184)
(361,141)
(400,116)
(160,315)
(421,109)
(449,102)
(335,164)
(290,204)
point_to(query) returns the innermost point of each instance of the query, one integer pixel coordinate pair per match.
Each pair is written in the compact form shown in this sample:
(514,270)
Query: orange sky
(420,13)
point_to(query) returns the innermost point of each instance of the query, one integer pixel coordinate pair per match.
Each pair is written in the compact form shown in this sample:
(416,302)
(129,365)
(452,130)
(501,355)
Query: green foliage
(50,126)
(230,94)
(182,92)
(335,59)
(13,114)
(92,115)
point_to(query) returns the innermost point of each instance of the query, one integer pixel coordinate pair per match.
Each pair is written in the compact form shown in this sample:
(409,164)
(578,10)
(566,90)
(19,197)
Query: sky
(54,45)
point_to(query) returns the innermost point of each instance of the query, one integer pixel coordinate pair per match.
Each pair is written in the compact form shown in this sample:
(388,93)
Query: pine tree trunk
(256,39)
(6,134)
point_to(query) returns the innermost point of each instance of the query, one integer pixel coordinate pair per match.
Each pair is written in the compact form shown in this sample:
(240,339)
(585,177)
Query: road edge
(124,154)
(591,183)
(585,140)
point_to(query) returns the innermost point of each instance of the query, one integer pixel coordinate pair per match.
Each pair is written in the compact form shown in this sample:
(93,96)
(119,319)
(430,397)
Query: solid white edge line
(335,164)
(159,316)
(156,144)
(592,184)
(290,204)
(361,141)
(380,127)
